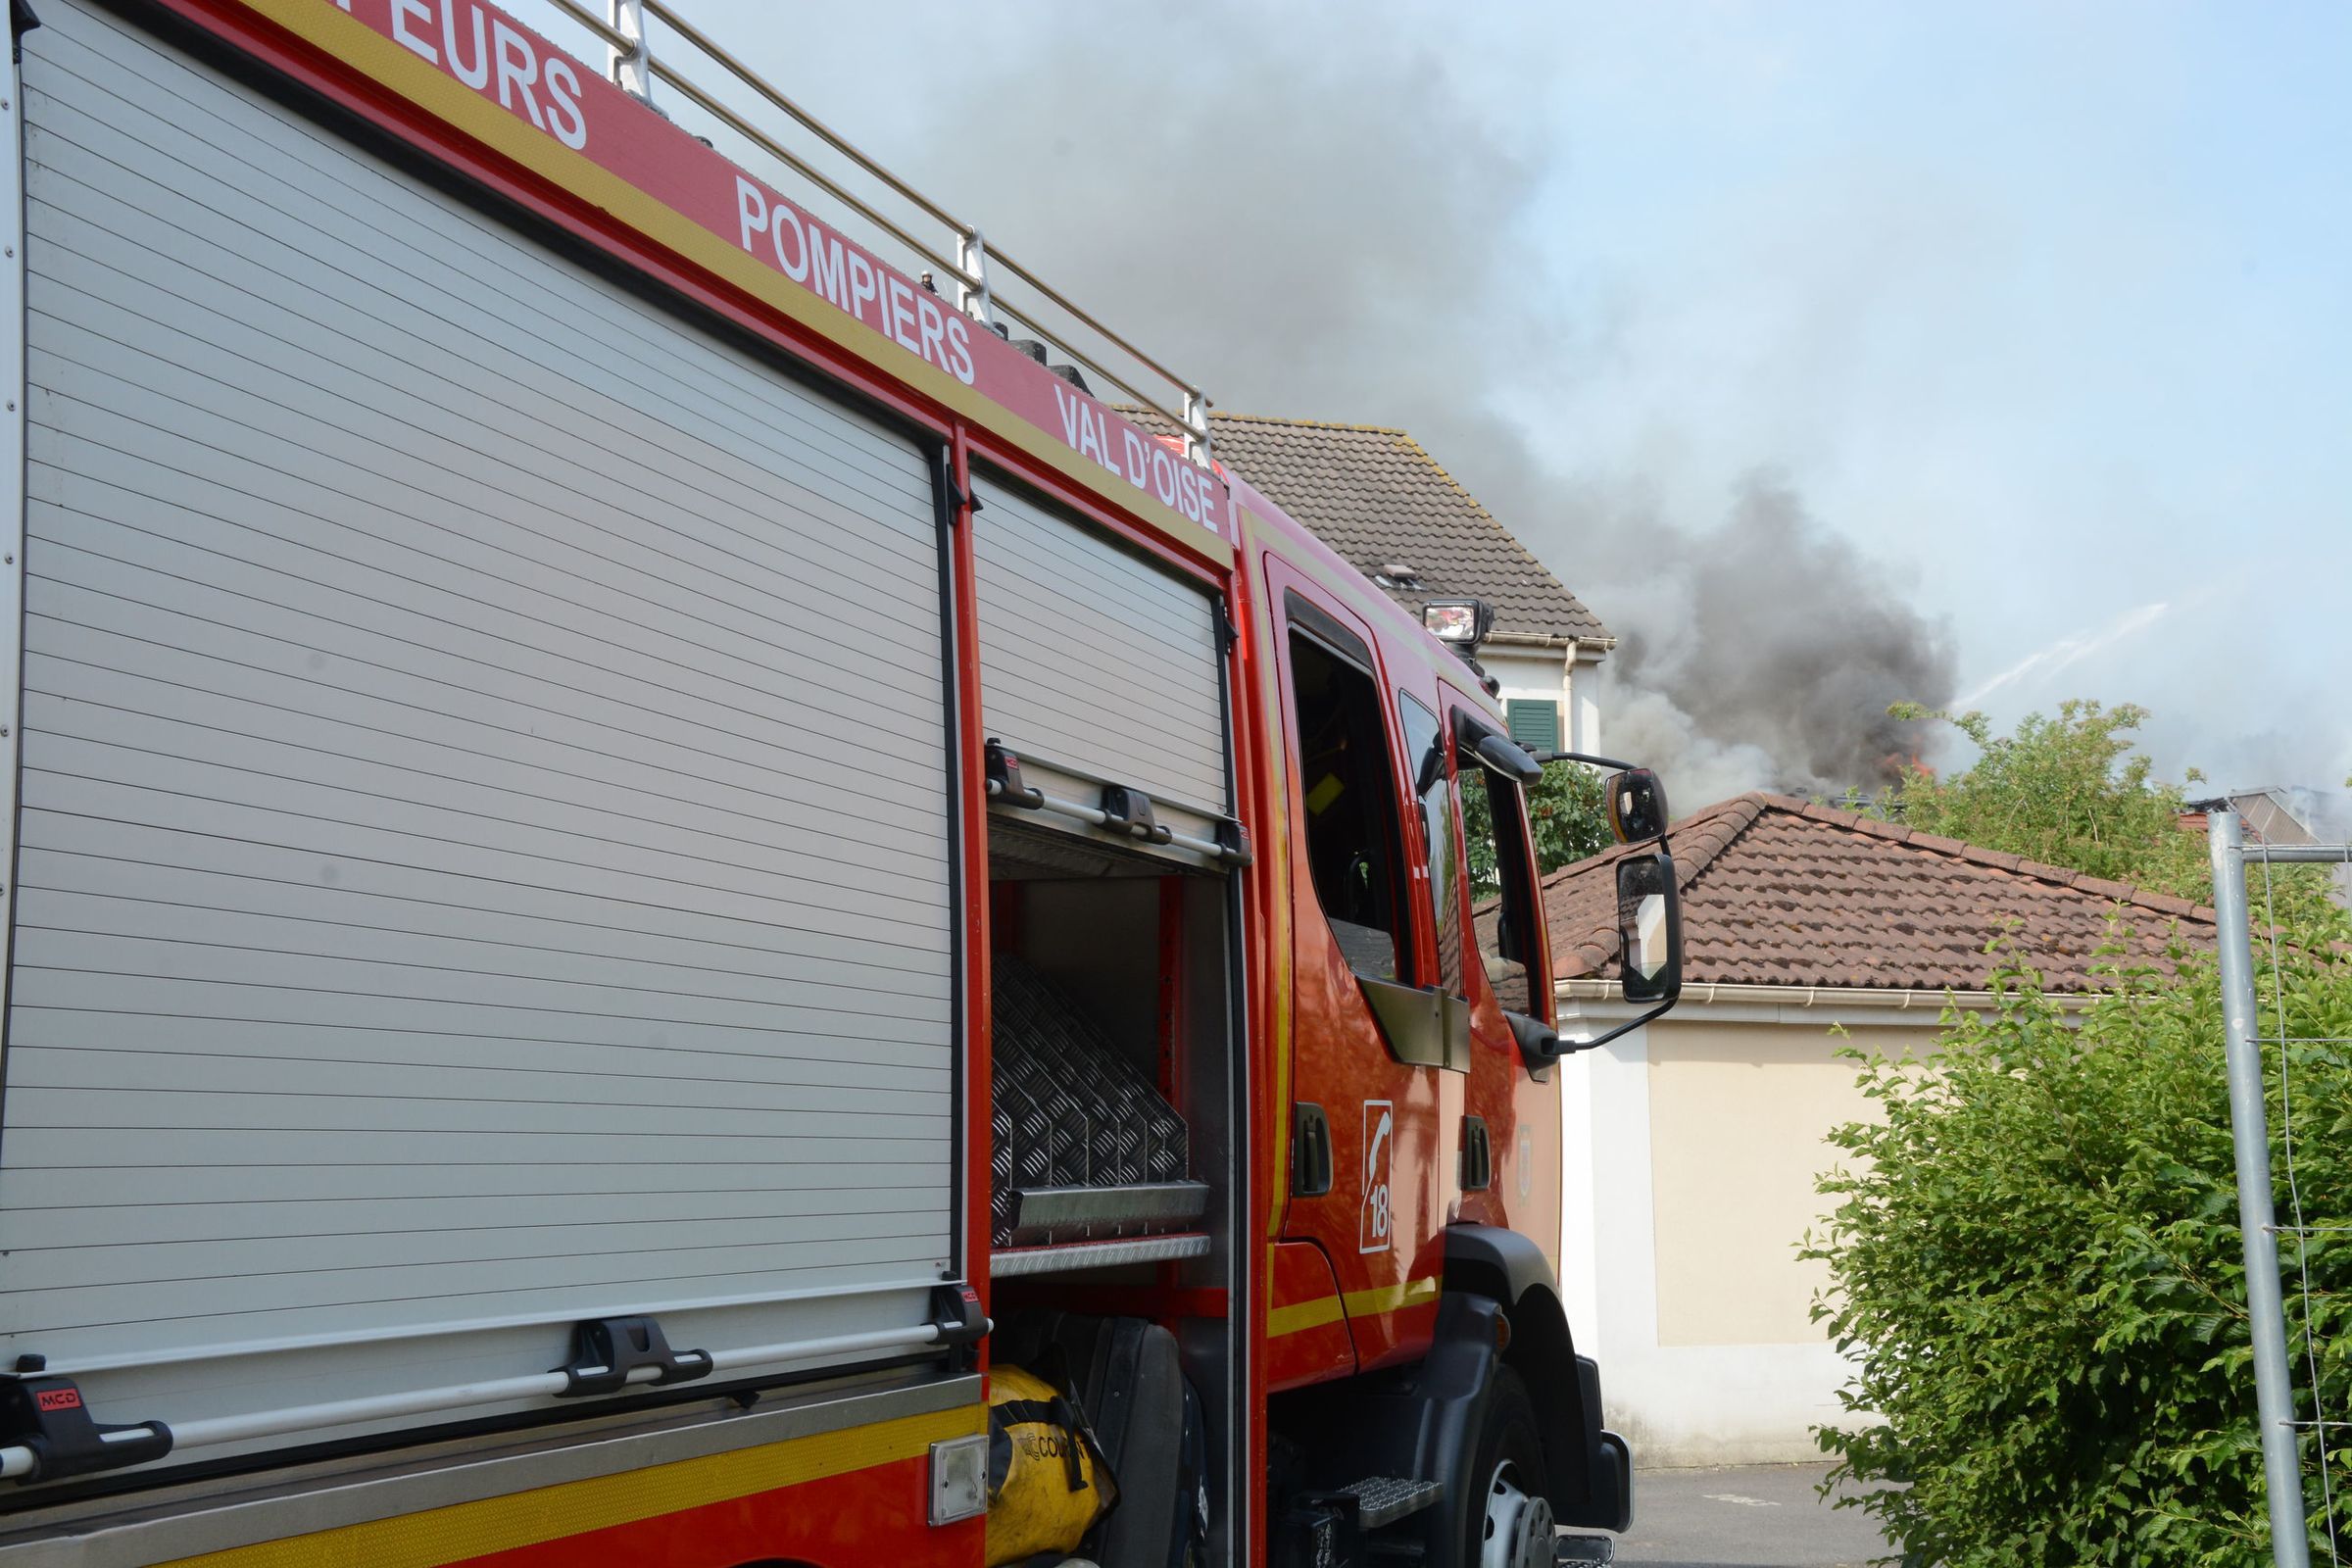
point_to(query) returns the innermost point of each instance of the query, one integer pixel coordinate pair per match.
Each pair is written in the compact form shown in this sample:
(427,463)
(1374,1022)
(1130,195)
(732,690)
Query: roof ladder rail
(631,68)
(1196,427)
(971,249)
(634,65)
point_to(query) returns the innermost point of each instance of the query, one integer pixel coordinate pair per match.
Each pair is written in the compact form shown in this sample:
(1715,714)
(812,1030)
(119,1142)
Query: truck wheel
(1509,1521)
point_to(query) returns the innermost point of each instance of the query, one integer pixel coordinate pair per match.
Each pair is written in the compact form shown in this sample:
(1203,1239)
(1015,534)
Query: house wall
(1551,675)
(1691,1149)
(1585,702)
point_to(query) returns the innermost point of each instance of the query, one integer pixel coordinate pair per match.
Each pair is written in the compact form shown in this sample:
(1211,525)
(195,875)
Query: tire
(1508,1523)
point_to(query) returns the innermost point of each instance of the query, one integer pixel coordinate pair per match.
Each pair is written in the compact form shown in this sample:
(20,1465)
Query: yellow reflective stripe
(378,57)
(552,1513)
(1391,1297)
(1300,1316)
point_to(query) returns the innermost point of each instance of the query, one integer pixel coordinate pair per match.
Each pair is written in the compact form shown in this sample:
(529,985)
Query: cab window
(1502,915)
(1347,784)
(1425,755)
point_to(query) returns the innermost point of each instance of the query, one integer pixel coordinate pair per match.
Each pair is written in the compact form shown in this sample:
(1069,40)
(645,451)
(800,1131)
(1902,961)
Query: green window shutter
(1534,724)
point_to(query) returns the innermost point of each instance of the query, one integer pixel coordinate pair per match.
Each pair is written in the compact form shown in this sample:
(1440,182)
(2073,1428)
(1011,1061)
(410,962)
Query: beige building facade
(1696,1146)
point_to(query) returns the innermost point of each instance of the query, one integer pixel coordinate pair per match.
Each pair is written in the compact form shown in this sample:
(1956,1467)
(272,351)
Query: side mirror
(1636,805)
(1650,928)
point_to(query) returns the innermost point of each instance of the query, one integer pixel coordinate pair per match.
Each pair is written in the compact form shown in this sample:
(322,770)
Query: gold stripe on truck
(532,1518)
(1300,1316)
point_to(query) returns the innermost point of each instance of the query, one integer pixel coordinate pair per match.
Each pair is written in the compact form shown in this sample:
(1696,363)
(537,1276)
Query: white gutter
(1707,995)
(1594,647)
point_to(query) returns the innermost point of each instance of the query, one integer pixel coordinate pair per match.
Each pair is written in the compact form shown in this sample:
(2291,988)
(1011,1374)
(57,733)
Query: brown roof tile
(1376,496)
(1779,891)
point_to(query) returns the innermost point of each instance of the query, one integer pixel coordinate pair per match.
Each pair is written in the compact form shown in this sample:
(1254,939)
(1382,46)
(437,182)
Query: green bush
(1567,812)
(2035,1261)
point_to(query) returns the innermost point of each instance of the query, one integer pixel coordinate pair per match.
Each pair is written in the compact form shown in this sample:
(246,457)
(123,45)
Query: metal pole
(1196,427)
(977,302)
(2249,1126)
(631,68)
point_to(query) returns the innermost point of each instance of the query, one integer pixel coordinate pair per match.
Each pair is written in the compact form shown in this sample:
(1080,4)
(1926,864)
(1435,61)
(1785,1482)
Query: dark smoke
(1777,649)
(1299,208)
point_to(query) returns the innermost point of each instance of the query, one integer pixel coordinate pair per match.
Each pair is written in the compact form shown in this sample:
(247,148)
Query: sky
(2032,322)
(2049,305)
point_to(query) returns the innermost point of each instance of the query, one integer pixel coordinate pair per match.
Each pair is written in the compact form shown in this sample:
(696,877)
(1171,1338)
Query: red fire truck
(657,862)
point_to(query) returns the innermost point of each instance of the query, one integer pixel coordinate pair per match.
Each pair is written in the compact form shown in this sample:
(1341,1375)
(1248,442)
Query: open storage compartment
(1104,1064)
(1115,1165)
(1110,848)
(1116,1120)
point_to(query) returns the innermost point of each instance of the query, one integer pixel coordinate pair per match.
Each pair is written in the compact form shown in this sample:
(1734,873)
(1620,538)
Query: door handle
(1311,1152)
(1478,1156)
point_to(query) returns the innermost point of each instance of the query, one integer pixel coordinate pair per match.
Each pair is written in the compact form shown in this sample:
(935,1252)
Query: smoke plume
(1302,209)
(1768,655)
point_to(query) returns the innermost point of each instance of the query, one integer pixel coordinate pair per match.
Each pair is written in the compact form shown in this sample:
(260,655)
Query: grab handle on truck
(1005,780)
(45,1420)
(604,1350)
(956,1318)
(1126,810)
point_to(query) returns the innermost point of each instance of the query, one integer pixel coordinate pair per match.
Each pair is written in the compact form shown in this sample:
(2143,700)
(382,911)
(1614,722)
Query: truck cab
(1416,1328)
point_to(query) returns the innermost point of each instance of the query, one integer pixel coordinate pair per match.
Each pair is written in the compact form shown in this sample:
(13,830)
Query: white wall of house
(1692,1146)
(1557,671)
(1585,699)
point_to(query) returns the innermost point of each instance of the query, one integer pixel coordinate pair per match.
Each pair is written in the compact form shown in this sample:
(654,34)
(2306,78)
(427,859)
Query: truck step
(1382,1501)
(1584,1549)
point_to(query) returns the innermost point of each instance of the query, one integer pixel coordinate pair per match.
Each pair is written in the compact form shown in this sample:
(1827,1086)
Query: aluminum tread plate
(1054,1207)
(1094,1254)
(1382,1501)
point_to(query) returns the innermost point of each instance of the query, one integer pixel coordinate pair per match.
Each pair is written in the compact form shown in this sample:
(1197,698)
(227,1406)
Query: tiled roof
(1777,892)
(1377,497)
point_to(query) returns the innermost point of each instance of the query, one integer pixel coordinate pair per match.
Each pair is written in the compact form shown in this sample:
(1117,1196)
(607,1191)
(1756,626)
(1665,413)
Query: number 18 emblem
(1376,1228)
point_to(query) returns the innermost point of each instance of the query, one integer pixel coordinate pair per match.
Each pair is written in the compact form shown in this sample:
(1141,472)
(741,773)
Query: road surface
(1756,1516)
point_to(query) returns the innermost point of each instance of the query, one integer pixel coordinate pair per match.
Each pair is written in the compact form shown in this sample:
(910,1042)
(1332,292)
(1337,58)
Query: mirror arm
(1587,759)
(1569,1047)
(1538,1046)
(1541,1046)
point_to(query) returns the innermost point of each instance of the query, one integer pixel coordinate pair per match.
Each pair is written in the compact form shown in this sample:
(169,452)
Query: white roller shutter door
(1096,663)
(446,903)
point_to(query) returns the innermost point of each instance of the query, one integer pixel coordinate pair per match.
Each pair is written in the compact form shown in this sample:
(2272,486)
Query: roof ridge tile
(1306,425)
